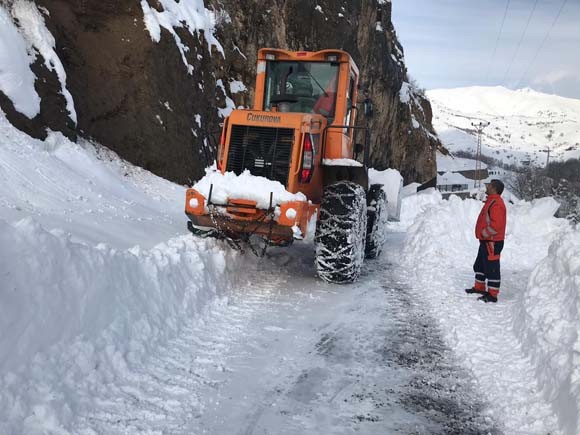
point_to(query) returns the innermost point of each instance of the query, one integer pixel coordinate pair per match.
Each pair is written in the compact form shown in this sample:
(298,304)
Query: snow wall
(97,270)
(548,322)
(545,316)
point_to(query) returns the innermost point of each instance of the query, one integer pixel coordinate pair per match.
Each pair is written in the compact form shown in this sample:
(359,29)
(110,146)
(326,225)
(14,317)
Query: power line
(507,6)
(527,70)
(520,42)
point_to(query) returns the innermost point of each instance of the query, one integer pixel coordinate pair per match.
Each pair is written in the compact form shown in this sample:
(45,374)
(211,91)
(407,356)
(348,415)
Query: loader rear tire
(341,233)
(377,215)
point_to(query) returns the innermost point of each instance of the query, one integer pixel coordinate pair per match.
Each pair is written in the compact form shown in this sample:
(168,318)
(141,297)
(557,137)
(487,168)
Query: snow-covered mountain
(523,123)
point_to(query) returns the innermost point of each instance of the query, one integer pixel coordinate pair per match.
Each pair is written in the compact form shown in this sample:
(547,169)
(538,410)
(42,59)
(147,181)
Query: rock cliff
(152,80)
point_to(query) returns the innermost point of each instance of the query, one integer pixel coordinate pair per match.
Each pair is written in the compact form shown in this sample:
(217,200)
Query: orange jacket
(492,220)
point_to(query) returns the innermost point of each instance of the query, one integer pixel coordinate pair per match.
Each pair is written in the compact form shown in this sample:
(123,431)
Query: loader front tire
(341,233)
(377,215)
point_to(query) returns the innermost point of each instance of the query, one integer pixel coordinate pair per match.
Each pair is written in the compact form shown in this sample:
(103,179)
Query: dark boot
(486,297)
(474,290)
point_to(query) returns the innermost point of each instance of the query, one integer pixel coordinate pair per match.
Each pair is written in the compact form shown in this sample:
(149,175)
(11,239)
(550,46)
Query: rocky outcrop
(157,104)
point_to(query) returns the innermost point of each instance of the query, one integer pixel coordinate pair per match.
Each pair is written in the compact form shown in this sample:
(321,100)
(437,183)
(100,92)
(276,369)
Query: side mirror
(368,108)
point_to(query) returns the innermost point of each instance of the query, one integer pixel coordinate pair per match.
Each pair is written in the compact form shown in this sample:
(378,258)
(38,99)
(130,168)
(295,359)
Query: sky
(451,43)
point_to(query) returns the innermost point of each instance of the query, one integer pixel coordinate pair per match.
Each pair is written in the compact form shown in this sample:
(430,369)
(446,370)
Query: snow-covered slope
(85,191)
(93,251)
(522,123)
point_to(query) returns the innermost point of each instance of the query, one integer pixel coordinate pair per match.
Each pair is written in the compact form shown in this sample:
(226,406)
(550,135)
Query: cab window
(305,87)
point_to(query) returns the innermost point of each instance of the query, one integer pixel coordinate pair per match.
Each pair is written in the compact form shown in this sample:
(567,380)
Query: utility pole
(479,126)
(547,150)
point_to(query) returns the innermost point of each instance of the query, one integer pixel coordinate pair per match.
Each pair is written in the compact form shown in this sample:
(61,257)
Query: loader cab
(301,125)
(321,83)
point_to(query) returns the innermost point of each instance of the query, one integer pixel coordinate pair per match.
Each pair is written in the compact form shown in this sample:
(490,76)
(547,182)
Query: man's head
(494,187)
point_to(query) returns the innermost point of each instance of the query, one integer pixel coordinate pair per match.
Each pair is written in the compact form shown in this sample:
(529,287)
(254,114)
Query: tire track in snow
(482,336)
(288,354)
(381,367)
(172,391)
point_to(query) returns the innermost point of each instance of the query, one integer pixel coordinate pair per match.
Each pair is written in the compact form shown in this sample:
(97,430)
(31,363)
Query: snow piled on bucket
(244,186)
(538,313)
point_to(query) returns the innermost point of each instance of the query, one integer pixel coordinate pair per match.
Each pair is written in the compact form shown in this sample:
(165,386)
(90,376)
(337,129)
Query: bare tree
(530,184)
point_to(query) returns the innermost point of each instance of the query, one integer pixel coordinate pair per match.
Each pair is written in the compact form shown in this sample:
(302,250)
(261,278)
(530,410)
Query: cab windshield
(305,87)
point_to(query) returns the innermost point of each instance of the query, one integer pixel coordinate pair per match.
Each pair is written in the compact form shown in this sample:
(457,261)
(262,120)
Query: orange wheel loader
(300,132)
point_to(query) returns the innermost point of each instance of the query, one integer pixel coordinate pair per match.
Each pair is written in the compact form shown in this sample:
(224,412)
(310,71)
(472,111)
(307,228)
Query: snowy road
(288,354)
(113,320)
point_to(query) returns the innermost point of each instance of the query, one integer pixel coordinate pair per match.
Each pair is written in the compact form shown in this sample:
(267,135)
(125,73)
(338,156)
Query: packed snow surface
(523,123)
(244,186)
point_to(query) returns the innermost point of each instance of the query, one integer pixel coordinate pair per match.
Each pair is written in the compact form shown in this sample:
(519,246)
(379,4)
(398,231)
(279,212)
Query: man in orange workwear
(490,231)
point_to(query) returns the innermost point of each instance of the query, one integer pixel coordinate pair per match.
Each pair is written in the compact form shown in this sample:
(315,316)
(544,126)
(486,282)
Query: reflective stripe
(484,233)
(487,215)
(491,231)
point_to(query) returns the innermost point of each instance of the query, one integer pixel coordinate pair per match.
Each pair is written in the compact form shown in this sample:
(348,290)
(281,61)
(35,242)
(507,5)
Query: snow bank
(548,323)
(84,314)
(55,290)
(444,230)
(539,316)
(16,77)
(97,271)
(531,228)
(392,182)
(86,191)
(244,186)
(415,204)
